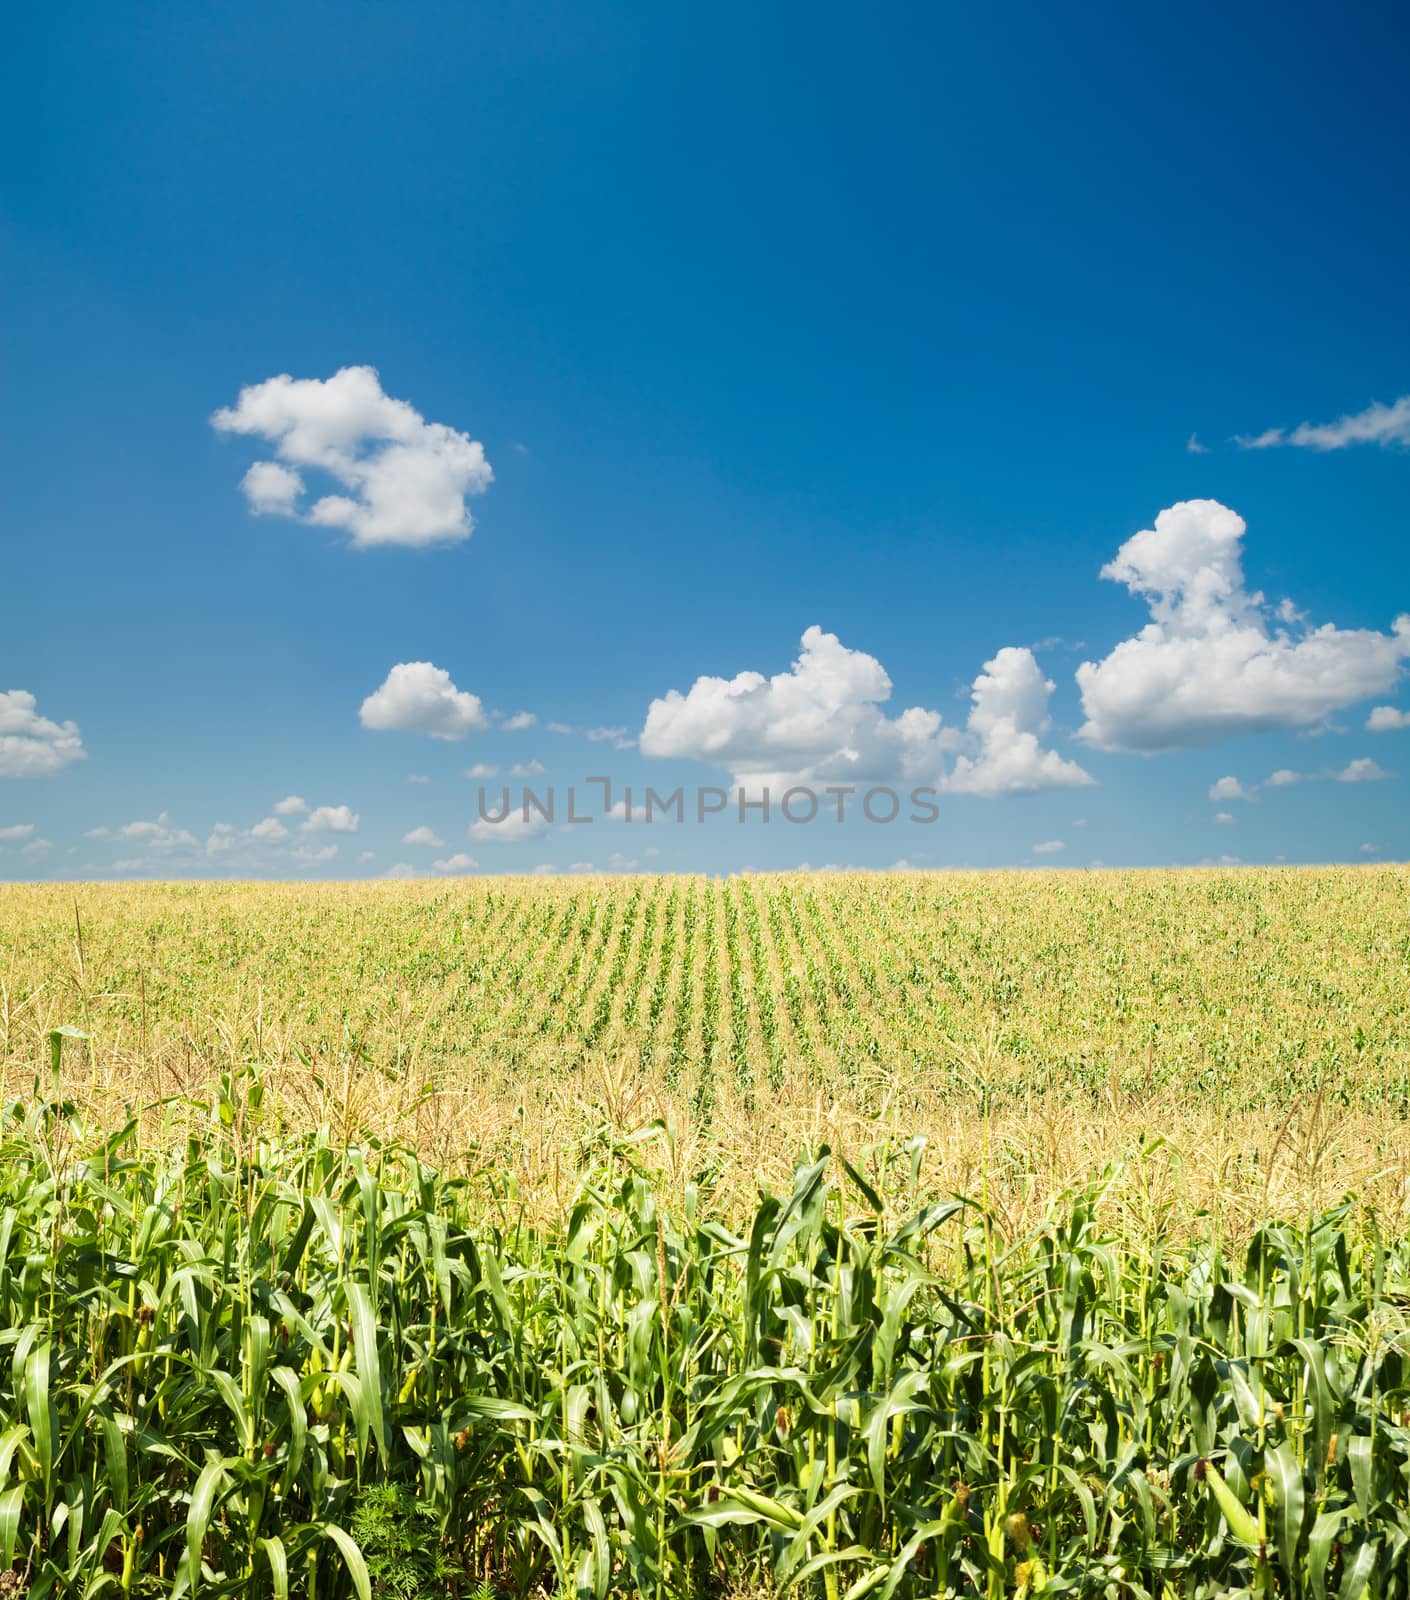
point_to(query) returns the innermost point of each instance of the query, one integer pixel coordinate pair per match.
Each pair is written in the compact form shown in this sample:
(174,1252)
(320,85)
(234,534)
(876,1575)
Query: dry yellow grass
(1230,1043)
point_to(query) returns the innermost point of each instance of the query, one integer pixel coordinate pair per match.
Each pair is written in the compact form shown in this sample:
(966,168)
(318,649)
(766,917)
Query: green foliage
(261,1366)
(400,1539)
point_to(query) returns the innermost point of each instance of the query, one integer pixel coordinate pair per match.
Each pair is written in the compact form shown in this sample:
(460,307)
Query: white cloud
(159,835)
(1049,847)
(617,862)
(331,819)
(417,777)
(527,769)
(1215,660)
(32,746)
(272,490)
(425,836)
(558,727)
(1194,447)
(419,697)
(1386,719)
(519,721)
(512,830)
(1370,849)
(1363,770)
(37,847)
(819,721)
(1282,778)
(1377,424)
(1224,818)
(313,854)
(481,770)
(17,830)
(601,735)
(453,865)
(1229,789)
(364,856)
(402,869)
(261,844)
(406,479)
(291,805)
(1009,718)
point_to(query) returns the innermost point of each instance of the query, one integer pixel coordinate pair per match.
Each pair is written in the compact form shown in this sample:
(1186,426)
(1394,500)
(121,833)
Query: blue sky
(899,327)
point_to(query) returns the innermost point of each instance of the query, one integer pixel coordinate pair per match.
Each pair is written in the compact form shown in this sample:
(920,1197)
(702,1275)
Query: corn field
(1040,1234)
(1248,988)
(213,1350)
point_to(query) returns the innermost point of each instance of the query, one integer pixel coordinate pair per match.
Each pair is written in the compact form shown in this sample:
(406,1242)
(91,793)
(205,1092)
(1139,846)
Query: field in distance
(1034,1027)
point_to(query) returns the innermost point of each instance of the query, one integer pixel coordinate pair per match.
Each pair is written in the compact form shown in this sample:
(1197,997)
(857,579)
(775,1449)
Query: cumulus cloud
(600,735)
(481,770)
(159,834)
(331,819)
(527,769)
(419,697)
(1224,818)
(1377,424)
(425,836)
(313,855)
(1363,770)
(272,490)
(1282,778)
(451,866)
(1386,719)
(32,746)
(1009,718)
(819,721)
(261,840)
(405,479)
(519,721)
(514,828)
(1229,789)
(291,805)
(1216,660)
(15,831)
(1049,847)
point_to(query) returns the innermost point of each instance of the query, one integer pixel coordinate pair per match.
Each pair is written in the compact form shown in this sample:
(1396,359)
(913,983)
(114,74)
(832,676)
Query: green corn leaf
(352,1558)
(369,1369)
(1289,1502)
